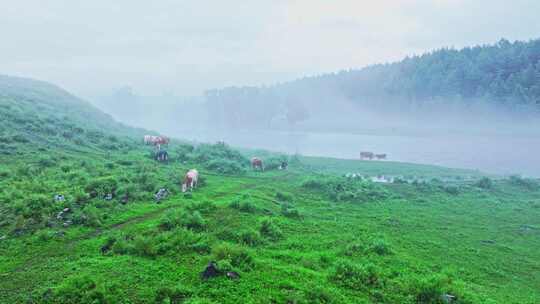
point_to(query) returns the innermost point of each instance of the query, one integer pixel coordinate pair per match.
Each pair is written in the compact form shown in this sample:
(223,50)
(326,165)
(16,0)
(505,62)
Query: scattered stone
(108,197)
(487,241)
(60,215)
(526,228)
(161,194)
(210,271)
(448,298)
(59,233)
(3,237)
(67,223)
(66,210)
(59,198)
(233,275)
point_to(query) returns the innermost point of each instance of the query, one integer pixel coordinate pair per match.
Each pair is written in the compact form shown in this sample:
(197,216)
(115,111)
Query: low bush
(353,276)
(451,189)
(269,229)
(284,197)
(237,257)
(250,238)
(527,183)
(82,289)
(484,183)
(174,295)
(193,220)
(143,246)
(380,247)
(288,210)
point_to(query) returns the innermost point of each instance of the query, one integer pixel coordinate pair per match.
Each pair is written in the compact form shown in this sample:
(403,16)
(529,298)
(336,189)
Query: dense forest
(505,75)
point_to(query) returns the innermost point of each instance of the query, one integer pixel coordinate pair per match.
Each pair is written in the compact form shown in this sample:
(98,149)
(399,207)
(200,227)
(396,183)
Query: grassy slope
(482,244)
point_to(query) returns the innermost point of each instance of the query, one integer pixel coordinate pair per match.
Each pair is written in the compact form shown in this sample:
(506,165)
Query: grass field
(305,235)
(395,243)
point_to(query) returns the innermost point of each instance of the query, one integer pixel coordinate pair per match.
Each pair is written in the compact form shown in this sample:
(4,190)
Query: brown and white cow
(257,163)
(190,180)
(161,140)
(380,156)
(366,155)
(156,140)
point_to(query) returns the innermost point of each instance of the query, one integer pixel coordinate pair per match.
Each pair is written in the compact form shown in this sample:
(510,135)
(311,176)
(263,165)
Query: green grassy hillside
(305,235)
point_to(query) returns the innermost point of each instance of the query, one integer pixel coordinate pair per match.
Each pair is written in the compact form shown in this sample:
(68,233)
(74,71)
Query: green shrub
(250,238)
(380,247)
(225,166)
(4,173)
(270,230)
(284,197)
(354,249)
(82,289)
(121,246)
(193,220)
(288,210)
(314,184)
(101,186)
(527,183)
(143,246)
(429,289)
(235,256)
(204,206)
(353,276)
(451,189)
(175,295)
(46,162)
(319,295)
(484,183)
(235,205)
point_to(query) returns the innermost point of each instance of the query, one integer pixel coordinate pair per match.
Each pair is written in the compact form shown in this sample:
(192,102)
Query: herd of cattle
(192,176)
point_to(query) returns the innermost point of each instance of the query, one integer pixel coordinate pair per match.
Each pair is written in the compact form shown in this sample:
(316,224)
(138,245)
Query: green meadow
(303,235)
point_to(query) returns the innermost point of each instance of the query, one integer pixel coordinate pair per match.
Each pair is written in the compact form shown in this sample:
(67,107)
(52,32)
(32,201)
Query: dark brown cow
(257,163)
(380,156)
(366,155)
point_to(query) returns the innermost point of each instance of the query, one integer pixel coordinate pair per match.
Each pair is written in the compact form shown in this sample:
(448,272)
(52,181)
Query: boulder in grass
(448,298)
(233,275)
(59,198)
(211,271)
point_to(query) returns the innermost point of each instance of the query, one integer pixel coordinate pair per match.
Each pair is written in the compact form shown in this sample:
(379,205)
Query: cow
(190,180)
(162,156)
(156,140)
(257,163)
(149,139)
(380,156)
(161,140)
(366,155)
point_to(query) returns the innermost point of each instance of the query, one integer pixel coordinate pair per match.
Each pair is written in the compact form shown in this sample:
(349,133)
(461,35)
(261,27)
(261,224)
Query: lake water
(508,154)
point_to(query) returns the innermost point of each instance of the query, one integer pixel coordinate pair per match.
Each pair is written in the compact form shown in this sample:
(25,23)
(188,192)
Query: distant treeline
(505,75)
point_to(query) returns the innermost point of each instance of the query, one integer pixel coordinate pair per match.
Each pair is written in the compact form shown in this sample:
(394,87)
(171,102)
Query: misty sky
(185,47)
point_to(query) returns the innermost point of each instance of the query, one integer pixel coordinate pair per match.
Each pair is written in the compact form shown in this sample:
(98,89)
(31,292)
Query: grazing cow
(257,163)
(161,140)
(190,180)
(366,155)
(284,165)
(380,156)
(150,139)
(162,155)
(156,140)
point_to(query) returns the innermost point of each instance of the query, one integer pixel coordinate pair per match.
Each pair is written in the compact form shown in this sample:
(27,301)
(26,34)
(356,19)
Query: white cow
(190,180)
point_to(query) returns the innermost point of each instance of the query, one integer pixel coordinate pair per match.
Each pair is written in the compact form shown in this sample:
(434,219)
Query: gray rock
(448,298)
